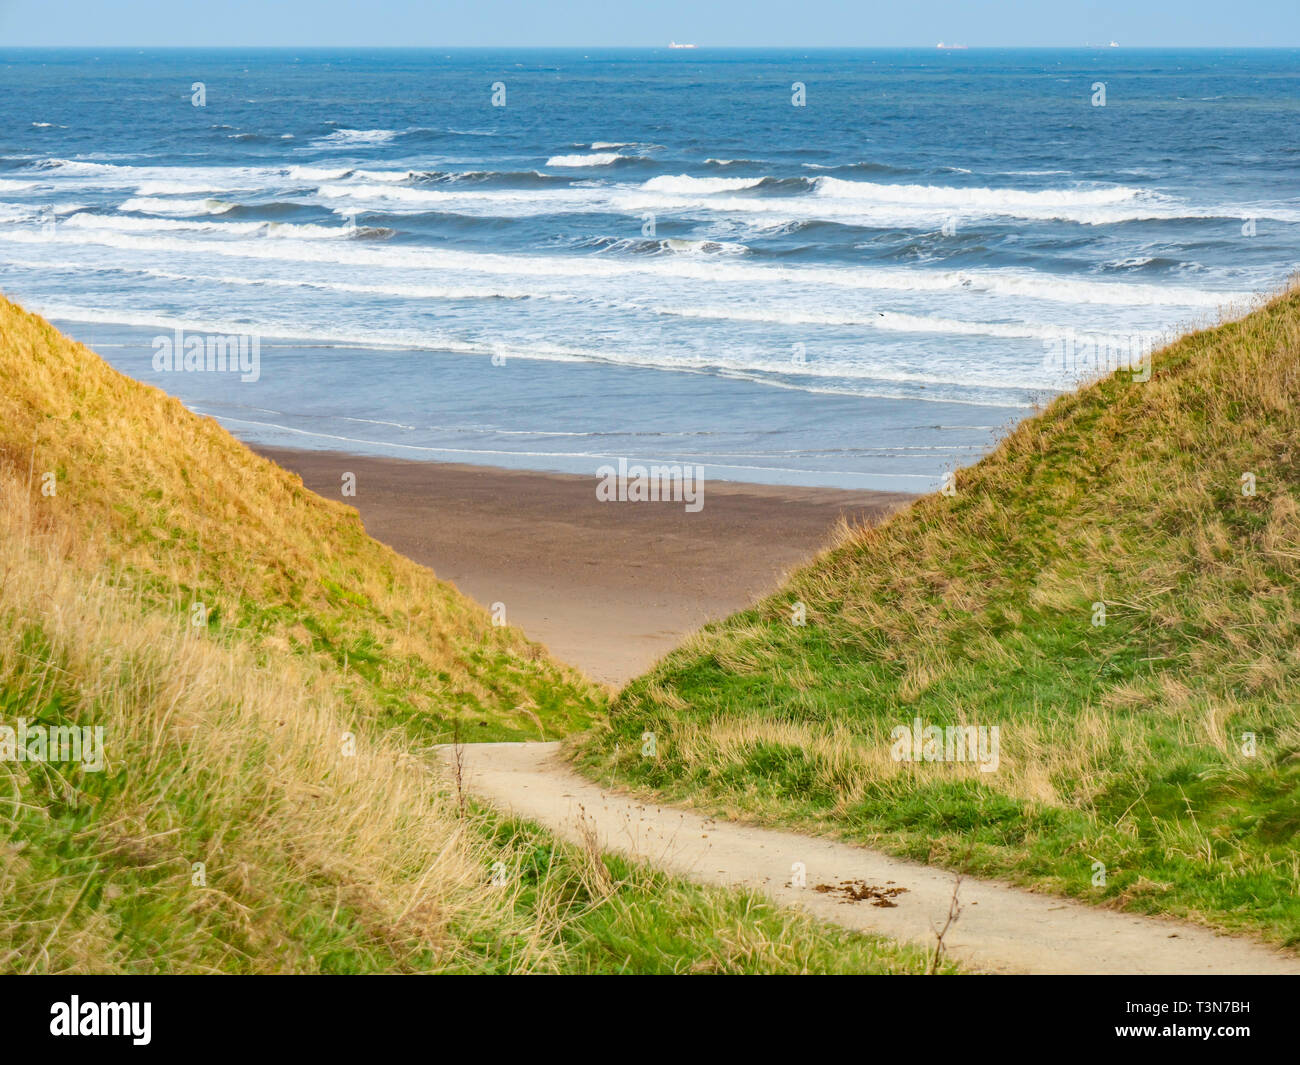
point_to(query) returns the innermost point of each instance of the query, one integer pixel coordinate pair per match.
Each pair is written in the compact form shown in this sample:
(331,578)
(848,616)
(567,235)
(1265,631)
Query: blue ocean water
(659,254)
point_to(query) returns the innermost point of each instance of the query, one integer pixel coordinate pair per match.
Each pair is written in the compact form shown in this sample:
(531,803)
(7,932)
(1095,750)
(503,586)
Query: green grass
(1121,744)
(269,802)
(624,917)
(98,873)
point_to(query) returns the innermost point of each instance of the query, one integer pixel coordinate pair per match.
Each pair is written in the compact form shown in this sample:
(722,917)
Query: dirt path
(1001,928)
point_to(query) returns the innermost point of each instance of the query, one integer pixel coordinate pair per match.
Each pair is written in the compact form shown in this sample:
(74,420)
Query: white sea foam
(706,186)
(987,198)
(159,180)
(891,321)
(282,230)
(773,313)
(591,159)
(459,199)
(134,233)
(398,193)
(173,188)
(350,138)
(393,176)
(450,291)
(852,377)
(709,198)
(178,208)
(317,173)
(863,203)
(73,167)
(122,224)
(703,247)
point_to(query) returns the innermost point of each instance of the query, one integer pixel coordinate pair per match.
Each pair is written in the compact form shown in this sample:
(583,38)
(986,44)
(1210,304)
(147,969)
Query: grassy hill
(267,800)
(1127,773)
(184,513)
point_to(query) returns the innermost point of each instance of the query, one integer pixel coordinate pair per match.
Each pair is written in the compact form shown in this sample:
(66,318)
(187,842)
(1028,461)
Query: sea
(850,268)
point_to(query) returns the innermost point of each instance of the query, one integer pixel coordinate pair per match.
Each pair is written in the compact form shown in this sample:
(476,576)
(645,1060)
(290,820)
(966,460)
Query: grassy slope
(189,515)
(226,742)
(1120,744)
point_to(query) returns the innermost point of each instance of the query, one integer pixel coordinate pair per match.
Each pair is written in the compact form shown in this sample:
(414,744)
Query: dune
(1076,669)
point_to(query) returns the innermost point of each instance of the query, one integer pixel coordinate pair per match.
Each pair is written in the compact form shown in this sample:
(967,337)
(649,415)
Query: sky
(631,23)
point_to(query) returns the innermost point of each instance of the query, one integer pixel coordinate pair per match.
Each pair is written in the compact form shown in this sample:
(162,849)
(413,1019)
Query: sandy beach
(607,587)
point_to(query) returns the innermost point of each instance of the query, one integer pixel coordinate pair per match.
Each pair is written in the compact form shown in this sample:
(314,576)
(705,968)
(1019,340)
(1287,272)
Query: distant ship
(1114,44)
(951,47)
(674,44)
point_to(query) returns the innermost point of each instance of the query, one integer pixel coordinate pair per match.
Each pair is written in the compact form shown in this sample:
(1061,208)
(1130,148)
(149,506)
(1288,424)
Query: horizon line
(694,47)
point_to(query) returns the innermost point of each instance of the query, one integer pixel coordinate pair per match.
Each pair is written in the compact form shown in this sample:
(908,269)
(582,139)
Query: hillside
(262,797)
(184,513)
(1148,751)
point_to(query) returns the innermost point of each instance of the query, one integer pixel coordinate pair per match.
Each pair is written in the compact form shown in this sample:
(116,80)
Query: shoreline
(562,417)
(608,588)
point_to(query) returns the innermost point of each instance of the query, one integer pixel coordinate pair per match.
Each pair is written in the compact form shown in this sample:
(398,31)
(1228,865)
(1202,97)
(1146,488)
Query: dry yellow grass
(174,503)
(199,734)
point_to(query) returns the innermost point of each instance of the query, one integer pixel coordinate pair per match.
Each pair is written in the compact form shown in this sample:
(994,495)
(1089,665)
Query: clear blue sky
(801,23)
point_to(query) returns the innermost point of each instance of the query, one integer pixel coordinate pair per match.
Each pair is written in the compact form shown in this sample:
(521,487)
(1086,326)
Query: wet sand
(608,587)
